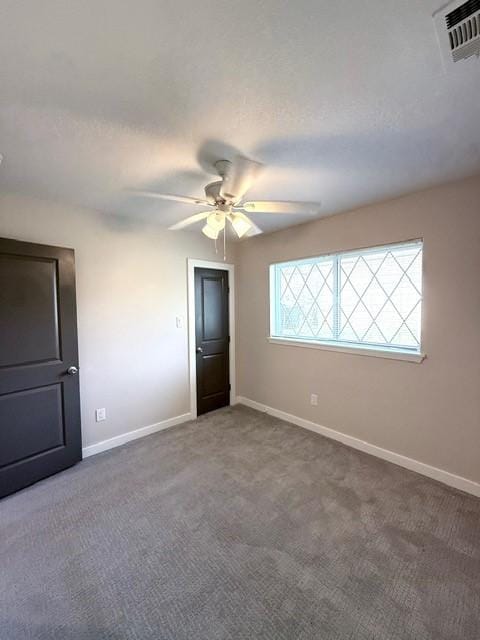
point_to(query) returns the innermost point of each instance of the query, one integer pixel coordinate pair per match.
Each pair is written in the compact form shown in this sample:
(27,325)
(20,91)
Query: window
(370,298)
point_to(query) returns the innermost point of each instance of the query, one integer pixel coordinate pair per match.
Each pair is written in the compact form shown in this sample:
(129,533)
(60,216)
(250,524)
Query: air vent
(458,30)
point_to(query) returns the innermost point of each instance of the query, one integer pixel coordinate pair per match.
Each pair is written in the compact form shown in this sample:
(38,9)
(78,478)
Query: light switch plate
(100,414)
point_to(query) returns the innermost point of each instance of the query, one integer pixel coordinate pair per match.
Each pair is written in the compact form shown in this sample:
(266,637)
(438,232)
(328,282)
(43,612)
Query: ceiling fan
(224,201)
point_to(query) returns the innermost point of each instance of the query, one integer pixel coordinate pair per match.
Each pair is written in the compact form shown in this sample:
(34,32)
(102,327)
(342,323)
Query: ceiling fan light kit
(210,232)
(240,225)
(224,197)
(216,220)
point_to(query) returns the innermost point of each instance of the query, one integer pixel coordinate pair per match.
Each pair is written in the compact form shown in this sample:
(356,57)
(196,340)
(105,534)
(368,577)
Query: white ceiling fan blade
(271,206)
(172,196)
(254,230)
(190,220)
(240,176)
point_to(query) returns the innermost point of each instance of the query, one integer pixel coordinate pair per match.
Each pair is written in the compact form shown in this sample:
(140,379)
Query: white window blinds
(371,297)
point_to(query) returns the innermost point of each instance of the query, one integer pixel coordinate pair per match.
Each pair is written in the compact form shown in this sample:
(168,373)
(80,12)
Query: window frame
(412,354)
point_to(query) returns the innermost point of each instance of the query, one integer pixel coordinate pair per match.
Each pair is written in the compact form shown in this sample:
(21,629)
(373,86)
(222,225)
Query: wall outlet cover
(100,414)
(314,399)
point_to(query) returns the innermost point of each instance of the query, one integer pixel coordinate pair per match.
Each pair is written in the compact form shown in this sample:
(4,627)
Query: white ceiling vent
(458,30)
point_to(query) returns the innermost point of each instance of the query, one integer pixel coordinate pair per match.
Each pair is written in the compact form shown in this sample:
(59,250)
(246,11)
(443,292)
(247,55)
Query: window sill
(358,351)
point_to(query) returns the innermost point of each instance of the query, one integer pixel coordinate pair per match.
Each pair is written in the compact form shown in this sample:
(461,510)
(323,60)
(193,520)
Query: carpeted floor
(239,525)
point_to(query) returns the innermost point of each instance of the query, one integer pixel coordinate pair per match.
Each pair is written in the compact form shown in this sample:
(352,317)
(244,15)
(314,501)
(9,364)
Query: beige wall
(430,411)
(131,285)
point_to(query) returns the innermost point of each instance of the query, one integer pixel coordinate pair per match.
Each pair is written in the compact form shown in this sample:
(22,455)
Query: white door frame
(192,357)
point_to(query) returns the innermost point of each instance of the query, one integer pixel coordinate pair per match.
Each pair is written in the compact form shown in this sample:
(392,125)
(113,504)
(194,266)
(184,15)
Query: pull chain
(224,243)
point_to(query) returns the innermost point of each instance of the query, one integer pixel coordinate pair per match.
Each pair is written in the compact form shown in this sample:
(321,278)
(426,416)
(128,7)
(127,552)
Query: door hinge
(229,387)
(228,338)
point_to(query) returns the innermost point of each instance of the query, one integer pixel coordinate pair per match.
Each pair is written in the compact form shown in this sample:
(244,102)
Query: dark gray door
(39,394)
(212,339)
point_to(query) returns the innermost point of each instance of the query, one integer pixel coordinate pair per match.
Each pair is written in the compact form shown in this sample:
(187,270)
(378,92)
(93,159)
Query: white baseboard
(116,441)
(450,479)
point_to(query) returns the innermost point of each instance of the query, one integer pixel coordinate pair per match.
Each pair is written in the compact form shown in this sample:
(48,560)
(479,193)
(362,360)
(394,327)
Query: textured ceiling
(345,102)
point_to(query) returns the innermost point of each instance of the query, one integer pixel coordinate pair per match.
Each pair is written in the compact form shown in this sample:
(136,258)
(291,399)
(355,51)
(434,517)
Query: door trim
(192,360)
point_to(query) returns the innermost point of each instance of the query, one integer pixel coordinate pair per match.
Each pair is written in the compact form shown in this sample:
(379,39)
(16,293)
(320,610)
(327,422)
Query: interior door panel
(212,339)
(40,430)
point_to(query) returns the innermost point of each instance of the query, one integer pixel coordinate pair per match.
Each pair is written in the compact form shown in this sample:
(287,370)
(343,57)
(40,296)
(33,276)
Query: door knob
(199,350)
(72,371)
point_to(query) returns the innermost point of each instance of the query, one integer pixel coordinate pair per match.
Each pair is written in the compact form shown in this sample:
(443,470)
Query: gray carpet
(239,525)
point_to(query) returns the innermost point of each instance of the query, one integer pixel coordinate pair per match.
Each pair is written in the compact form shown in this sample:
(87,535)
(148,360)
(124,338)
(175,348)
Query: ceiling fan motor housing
(212,192)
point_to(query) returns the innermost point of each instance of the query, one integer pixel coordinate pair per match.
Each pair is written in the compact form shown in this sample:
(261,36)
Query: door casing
(192,360)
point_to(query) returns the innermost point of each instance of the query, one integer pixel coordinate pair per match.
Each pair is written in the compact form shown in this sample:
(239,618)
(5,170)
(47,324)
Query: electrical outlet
(100,414)
(314,399)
